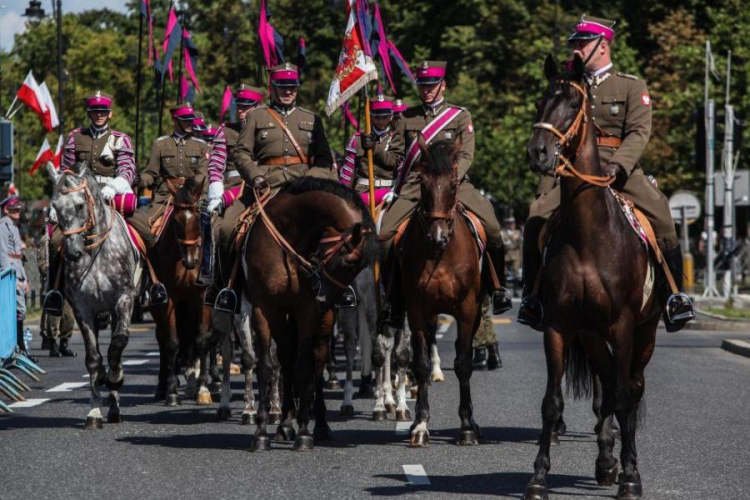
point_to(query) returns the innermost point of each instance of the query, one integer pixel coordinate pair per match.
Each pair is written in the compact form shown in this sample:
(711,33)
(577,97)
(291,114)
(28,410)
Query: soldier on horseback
(621,109)
(174,159)
(109,156)
(446,122)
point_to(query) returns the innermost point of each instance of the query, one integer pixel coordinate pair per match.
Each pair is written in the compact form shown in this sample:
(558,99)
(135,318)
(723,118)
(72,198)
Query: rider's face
(584,49)
(285,95)
(99,117)
(431,92)
(183,127)
(243,110)
(381,122)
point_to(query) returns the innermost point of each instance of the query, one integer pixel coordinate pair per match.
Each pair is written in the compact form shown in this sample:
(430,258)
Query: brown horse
(441,274)
(311,241)
(183,320)
(592,286)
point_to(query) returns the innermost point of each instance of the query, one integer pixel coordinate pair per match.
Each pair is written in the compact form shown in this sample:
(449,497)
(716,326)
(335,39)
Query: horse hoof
(214,387)
(285,433)
(562,428)
(554,439)
(247,418)
(403,415)
(223,413)
(419,439)
(607,477)
(204,399)
(172,400)
(273,419)
(93,423)
(437,377)
(114,418)
(390,407)
(629,491)
(467,437)
(303,443)
(415,392)
(334,385)
(379,415)
(536,492)
(234,369)
(260,443)
(322,433)
(346,411)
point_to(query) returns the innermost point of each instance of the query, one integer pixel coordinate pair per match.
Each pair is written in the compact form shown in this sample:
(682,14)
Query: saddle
(246,219)
(475,227)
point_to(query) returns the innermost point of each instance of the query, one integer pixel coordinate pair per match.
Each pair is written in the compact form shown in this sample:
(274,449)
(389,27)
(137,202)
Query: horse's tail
(578,375)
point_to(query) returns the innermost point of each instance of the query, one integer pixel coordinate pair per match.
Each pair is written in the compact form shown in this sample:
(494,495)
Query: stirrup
(227,301)
(158,294)
(54,303)
(679,308)
(531,313)
(347,299)
(501,301)
(209,299)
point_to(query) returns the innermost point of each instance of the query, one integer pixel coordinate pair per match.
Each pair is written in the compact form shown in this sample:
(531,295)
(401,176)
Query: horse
(102,275)
(592,286)
(311,241)
(440,274)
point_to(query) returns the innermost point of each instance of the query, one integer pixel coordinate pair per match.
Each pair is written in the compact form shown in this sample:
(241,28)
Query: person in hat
(176,157)
(278,143)
(446,123)
(399,107)
(11,256)
(199,125)
(621,113)
(109,156)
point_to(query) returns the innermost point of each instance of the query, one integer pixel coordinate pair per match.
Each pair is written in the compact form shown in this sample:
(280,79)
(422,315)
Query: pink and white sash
(429,133)
(348,169)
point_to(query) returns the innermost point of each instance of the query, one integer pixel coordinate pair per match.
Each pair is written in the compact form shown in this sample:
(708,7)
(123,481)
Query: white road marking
(86,376)
(416,475)
(68,387)
(439,336)
(29,403)
(135,362)
(152,354)
(402,428)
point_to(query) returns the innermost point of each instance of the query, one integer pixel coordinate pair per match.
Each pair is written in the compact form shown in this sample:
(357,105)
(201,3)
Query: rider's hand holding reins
(215,194)
(118,185)
(369,141)
(260,183)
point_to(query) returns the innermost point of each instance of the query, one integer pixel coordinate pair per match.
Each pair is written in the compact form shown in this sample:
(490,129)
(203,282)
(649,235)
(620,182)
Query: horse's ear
(54,174)
(550,67)
(198,188)
(578,68)
(422,145)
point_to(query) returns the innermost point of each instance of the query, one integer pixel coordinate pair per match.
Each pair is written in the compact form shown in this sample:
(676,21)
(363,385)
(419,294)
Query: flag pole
(371,192)
(15,99)
(138,92)
(179,65)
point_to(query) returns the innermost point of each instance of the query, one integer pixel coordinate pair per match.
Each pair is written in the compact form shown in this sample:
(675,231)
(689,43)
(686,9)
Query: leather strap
(17,256)
(289,134)
(278,161)
(609,141)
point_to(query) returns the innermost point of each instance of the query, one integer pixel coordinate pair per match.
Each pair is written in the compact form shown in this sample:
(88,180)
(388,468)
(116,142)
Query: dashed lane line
(416,475)
(152,354)
(501,321)
(67,387)
(29,403)
(402,428)
(135,362)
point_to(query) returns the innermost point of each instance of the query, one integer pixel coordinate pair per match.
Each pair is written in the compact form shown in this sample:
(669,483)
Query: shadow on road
(193,441)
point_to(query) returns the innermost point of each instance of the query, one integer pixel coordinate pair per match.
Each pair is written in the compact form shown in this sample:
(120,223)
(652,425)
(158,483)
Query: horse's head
(74,198)
(186,222)
(440,183)
(560,124)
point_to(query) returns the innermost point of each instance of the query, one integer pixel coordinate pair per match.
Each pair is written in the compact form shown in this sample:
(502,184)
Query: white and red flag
(52,120)
(355,68)
(32,96)
(45,154)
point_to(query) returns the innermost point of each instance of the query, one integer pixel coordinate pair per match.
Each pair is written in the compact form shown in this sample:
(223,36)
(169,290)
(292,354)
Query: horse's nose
(538,154)
(189,263)
(73,254)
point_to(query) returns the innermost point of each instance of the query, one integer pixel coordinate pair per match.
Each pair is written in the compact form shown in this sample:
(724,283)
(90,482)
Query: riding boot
(493,360)
(531,311)
(65,350)
(348,298)
(678,308)
(501,298)
(392,311)
(479,362)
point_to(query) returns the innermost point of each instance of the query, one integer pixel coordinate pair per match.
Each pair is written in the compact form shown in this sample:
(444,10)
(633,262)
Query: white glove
(108,192)
(215,195)
(389,197)
(118,185)
(214,204)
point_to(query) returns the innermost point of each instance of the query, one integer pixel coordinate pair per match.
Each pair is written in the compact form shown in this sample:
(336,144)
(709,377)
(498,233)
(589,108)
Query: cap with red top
(99,101)
(248,96)
(183,112)
(430,72)
(285,75)
(209,134)
(381,106)
(591,28)
(400,106)
(11,202)
(199,123)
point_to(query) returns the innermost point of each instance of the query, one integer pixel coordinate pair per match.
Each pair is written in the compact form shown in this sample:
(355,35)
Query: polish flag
(31,95)
(57,160)
(54,121)
(45,154)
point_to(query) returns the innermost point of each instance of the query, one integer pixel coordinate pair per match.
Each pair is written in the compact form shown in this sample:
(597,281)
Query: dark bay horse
(183,320)
(441,274)
(592,286)
(310,242)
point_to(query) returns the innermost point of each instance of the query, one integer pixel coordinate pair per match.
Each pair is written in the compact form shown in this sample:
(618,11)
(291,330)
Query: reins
(448,216)
(565,167)
(97,238)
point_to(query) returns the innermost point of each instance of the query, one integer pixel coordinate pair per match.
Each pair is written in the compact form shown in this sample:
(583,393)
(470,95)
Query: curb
(739,347)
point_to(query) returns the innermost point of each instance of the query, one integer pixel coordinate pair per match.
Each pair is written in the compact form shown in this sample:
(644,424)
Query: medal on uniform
(614,110)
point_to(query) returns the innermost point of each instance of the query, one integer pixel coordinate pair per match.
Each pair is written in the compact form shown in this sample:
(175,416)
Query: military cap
(429,72)
(285,75)
(98,101)
(183,112)
(381,106)
(400,106)
(11,202)
(199,123)
(248,96)
(209,134)
(591,28)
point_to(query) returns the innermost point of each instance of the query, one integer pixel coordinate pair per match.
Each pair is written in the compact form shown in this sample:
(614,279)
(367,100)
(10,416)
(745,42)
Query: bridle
(565,167)
(95,239)
(448,216)
(185,206)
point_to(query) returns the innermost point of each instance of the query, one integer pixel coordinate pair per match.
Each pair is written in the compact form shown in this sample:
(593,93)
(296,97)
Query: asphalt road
(693,444)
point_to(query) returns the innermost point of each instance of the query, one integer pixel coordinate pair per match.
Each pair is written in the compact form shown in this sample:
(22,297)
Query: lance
(371,192)
(138,93)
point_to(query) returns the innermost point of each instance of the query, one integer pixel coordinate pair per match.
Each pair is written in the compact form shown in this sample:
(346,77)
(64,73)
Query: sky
(12,22)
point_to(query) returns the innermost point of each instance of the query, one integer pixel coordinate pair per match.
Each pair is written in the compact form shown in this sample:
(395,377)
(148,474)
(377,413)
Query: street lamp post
(60,106)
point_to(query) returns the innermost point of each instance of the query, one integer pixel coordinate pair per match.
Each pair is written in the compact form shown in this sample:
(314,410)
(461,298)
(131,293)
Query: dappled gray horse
(102,275)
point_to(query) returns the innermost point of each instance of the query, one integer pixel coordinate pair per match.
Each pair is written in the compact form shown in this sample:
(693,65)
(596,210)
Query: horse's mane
(184,196)
(439,161)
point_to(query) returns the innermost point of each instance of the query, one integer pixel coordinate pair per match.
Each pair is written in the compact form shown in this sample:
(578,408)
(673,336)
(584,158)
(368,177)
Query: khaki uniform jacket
(174,157)
(107,154)
(262,139)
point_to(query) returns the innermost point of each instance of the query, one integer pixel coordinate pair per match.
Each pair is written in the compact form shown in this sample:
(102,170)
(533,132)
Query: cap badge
(98,95)
(425,65)
(287,66)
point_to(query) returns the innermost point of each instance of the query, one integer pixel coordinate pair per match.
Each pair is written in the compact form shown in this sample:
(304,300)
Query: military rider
(431,84)
(108,154)
(621,113)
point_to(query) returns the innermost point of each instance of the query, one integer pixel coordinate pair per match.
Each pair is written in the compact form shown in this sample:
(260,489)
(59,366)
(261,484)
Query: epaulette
(198,139)
(627,75)
(76,130)
(162,138)
(117,133)
(305,110)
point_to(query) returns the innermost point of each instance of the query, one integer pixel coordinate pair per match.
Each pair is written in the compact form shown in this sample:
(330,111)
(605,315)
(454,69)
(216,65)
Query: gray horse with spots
(102,275)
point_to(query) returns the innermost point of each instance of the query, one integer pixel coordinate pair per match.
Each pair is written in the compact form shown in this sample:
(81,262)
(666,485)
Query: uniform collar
(180,139)
(598,76)
(379,133)
(434,109)
(283,109)
(98,132)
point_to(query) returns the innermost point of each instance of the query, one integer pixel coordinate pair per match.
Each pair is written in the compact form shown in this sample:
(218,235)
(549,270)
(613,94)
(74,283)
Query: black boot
(501,298)
(678,308)
(480,358)
(531,311)
(392,311)
(493,360)
(54,350)
(45,343)
(65,350)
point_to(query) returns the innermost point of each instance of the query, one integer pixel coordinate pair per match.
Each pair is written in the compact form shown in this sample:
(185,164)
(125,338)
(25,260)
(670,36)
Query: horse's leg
(390,403)
(322,431)
(333,379)
(467,324)
(161,320)
(368,317)
(382,354)
(403,356)
(420,341)
(552,408)
(171,351)
(246,341)
(120,335)
(189,321)
(204,346)
(263,326)
(436,374)
(304,373)
(286,349)
(274,413)
(95,368)
(347,326)
(223,413)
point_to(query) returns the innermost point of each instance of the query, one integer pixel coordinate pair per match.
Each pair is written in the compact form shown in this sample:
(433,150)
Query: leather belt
(608,141)
(232,173)
(363,181)
(279,161)
(18,256)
